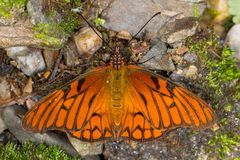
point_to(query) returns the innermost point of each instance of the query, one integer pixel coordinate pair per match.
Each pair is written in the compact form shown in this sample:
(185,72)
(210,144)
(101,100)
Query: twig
(54,72)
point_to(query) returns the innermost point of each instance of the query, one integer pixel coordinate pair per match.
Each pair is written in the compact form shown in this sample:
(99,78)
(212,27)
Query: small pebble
(190,57)
(124,35)
(87,42)
(190,72)
(29,61)
(28,87)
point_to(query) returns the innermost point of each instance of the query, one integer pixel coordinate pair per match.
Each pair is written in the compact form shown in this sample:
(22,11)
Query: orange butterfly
(119,101)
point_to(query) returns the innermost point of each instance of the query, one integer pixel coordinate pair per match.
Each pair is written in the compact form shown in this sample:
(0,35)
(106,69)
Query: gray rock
(177,144)
(35,10)
(178,30)
(30,61)
(71,55)
(2,124)
(86,148)
(158,59)
(233,38)
(132,15)
(92,157)
(50,57)
(177,75)
(14,124)
(190,57)
(233,41)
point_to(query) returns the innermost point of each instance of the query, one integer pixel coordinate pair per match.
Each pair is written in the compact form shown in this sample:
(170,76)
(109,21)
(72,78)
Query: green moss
(195,10)
(223,76)
(224,143)
(222,71)
(6,6)
(202,44)
(54,33)
(49,33)
(31,151)
(99,21)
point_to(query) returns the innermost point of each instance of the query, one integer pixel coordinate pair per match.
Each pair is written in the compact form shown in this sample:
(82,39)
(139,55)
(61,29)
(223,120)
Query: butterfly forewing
(78,108)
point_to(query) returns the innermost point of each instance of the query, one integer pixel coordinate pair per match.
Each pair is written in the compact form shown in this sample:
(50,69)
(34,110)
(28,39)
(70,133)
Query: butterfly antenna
(91,26)
(144,26)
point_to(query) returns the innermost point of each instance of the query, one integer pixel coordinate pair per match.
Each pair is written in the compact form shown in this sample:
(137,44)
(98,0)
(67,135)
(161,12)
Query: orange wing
(157,105)
(77,108)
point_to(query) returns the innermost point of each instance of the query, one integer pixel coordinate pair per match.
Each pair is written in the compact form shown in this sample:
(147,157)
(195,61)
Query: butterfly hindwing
(158,105)
(74,108)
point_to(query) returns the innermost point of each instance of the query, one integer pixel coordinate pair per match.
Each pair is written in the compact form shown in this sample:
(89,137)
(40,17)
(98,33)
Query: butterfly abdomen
(117,89)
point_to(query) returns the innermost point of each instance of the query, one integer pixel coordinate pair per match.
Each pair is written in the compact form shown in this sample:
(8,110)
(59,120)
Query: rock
(92,157)
(233,41)
(50,57)
(177,59)
(5,91)
(71,56)
(190,58)
(87,42)
(190,72)
(138,49)
(233,38)
(182,50)
(106,57)
(186,73)
(2,124)
(178,144)
(28,88)
(14,124)
(132,15)
(30,61)
(102,4)
(86,148)
(178,30)
(124,35)
(6,137)
(3,138)
(5,68)
(22,34)
(157,58)
(177,75)
(35,10)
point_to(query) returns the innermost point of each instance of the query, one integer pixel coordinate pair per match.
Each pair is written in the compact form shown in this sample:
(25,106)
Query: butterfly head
(117,59)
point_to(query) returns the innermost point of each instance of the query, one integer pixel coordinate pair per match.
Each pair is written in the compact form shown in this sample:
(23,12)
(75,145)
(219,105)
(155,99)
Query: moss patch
(31,151)
(221,78)
(6,6)
(222,75)
(61,23)
(224,143)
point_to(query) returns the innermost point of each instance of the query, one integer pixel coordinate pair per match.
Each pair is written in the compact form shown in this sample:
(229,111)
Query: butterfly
(119,101)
